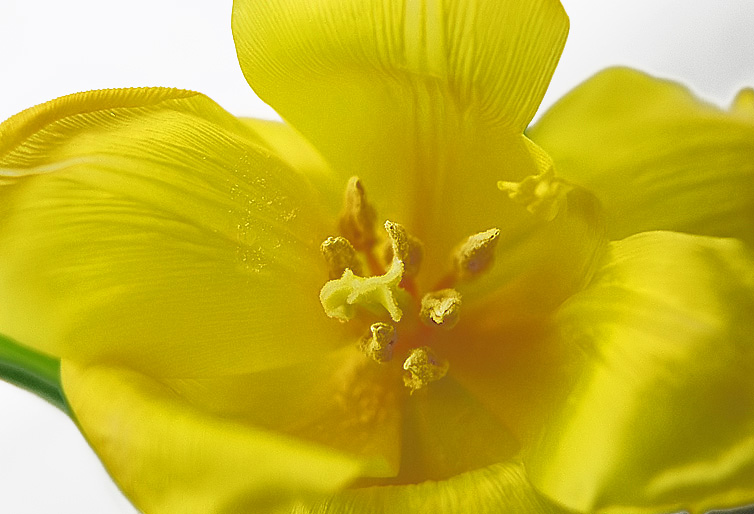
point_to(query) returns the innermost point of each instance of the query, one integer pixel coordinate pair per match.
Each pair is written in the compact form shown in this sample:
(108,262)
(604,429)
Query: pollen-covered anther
(378,343)
(543,194)
(340,255)
(441,308)
(358,219)
(475,255)
(405,247)
(423,367)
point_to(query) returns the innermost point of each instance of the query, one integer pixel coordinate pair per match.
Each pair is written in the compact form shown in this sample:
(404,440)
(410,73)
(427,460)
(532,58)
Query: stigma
(544,195)
(341,297)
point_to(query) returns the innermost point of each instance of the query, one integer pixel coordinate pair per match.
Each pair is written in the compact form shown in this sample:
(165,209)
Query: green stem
(32,371)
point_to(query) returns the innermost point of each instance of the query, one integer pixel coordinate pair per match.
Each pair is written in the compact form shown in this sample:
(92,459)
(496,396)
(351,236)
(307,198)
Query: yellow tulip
(397,301)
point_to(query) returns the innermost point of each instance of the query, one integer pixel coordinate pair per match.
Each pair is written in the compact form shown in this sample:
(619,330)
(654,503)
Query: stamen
(543,194)
(476,254)
(358,219)
(340,255)
(423,367)
(340,297)
(378,344)
(405,247)
(441,308)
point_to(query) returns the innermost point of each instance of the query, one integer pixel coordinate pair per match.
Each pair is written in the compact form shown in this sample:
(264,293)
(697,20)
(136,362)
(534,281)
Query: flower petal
(168,456)
(497,57)
(655,156)
(153,229)
(447,432)
(361,408)
(661,417)
(514,367)
(508,359)
(538,264)
(424,101)
(497,489)
(343,401)
(290,146)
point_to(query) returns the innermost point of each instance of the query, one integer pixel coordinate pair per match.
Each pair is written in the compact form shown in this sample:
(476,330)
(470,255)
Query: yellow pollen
(340,297)
(475,255)
(378,343)
(358,219)
(543,195)
(405,247)
(422,368)
(441,308)
(340,255)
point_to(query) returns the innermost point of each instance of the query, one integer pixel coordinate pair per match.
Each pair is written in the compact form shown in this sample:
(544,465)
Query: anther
(358,219)
(378,343)
(441,308)
(476,254)
(405,247)
(423,367)
(340,255)
(542,194)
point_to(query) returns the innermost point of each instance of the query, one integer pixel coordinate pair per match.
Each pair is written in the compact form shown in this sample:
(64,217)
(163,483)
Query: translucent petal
(497,489)
(343,400)
(447,432)
(357,406)
(661,417)
(425,101)
(513,366)
(538,263)
(168,456)
(290,146)
(151,228)
(502,350)
(656,157)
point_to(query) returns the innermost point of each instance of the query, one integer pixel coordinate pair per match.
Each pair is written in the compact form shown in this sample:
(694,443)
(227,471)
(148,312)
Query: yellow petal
(290,146)
(168,456)
(497,489)
(424,101)
(151,228)
(447,432)
(661,417)
(538,263)
(655,156)
(511,364)
(344,401)
(359,407)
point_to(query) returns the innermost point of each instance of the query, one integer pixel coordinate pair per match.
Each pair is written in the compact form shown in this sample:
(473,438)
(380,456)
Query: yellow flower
(397,302)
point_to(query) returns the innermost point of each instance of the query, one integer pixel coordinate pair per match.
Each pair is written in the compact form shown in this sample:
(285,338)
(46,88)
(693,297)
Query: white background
(49,48)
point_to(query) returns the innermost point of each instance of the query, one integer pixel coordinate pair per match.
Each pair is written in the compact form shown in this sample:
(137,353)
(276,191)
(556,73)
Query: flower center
(387,290)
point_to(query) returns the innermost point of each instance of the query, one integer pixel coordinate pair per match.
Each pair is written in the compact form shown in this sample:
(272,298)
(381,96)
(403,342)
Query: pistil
(544,195)
(342,296)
